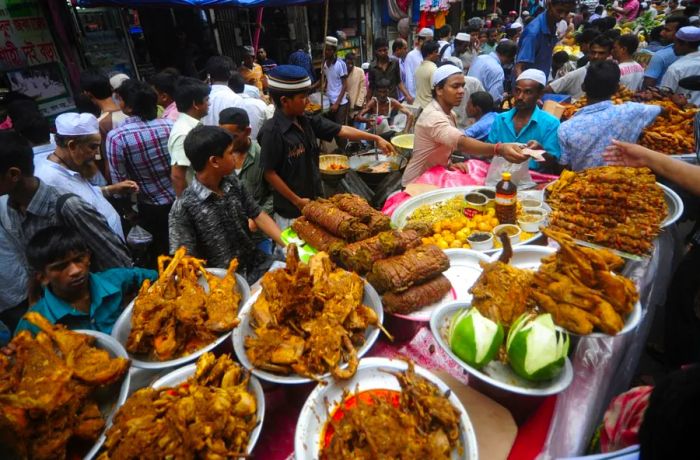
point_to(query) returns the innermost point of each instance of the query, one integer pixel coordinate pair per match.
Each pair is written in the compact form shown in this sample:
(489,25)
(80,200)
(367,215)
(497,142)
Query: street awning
(190,3)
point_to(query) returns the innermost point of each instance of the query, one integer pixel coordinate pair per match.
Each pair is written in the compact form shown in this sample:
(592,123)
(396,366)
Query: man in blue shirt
(488,68)
(480,107)
(663,58)
(72,295)
(527,123)
(302,59)
(539,37)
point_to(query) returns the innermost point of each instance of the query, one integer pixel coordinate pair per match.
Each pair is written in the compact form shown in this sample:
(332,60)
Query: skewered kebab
(338,222)
(417,296)
(358,207)
(360,256)
(316,236)
(416,265)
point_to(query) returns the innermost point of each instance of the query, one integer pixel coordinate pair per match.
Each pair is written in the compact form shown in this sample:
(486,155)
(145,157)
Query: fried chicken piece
(610,321)
(571,318)
(501,305)
(222,302)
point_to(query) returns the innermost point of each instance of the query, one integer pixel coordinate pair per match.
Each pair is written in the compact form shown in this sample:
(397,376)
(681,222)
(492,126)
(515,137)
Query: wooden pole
(323,57)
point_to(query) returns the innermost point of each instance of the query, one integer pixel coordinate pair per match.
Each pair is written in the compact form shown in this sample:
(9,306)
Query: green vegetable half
(475,338)
(536,348)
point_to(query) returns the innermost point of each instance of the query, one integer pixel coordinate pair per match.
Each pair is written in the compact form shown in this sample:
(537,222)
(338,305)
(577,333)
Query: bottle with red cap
(506,200)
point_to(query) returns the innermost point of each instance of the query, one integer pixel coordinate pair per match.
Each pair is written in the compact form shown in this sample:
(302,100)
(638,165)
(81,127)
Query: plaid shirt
(138,150)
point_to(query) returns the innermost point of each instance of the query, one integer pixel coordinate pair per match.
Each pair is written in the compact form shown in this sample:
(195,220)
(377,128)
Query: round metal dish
(401,214)
(178,376)
(495,373)
(675,206)
(122,328)
(372,374)
(371,299)
(325,162)
(463,272)
(111,397)
(530,257)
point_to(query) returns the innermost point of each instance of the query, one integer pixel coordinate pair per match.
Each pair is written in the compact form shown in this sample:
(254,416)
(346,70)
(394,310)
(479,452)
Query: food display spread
(47,391)
(617,207)
(416,422)
(176,316)
(309,319)
(211,415)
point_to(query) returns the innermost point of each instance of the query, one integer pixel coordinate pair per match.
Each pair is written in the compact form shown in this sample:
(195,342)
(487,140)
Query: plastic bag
(139,241)
(519,173)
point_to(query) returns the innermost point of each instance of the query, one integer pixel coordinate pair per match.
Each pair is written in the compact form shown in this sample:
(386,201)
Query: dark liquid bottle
(506,200)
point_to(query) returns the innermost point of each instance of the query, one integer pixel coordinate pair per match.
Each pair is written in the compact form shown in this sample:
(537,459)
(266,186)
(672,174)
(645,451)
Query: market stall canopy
(190,3)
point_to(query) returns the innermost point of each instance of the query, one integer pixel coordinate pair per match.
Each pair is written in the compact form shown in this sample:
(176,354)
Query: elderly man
(688,64)
(73,162)
(527,123)
(414,59)
(571,83)
(437,135)
(488,68)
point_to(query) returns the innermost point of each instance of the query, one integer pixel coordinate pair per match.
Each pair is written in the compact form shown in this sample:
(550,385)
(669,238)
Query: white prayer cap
(332,41)
(457,62)
(463,37)
(689,34)
(426,32)
(77,124)
(115,81)
(365,66)
(533,74)
(442,72)
(516,25)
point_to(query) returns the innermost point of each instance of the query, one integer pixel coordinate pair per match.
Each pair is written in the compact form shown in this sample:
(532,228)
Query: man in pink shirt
(164,83)
(629,10)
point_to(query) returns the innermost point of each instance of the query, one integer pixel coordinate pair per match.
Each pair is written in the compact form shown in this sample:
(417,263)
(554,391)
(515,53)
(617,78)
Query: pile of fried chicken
(424,425)
(617,207)
(210,416)
(309,319)
(176,316)
(47,391)
(578,286)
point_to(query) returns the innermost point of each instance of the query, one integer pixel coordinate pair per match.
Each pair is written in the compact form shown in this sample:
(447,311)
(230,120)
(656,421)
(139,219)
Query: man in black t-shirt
(289,143)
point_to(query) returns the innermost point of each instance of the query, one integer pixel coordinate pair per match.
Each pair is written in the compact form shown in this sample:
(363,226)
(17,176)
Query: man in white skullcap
(414,58)
(437,135)
(526,123)
(70,166)
(688,64)
(336,73)
(471,85)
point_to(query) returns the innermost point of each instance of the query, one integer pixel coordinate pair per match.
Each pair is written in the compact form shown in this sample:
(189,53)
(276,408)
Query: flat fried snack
(209,416)
(316,236)
(309,319)
(336,221)
(175,316)
(47,386)
(415,266)
(357,206)
(617,207)
(577,286)
(417,296)
(501,292)
(360,256)
(424,425)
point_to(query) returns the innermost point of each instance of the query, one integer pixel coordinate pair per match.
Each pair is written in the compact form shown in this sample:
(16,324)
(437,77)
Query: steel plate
(122,328)
(495,373)
(675,206)
(372,374)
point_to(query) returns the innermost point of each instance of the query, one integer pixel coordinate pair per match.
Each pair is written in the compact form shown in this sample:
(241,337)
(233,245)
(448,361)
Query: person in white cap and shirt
(73,162)
(527,123)
(414,58)
(336,74)
(685,45)
(458,46)
(437,135)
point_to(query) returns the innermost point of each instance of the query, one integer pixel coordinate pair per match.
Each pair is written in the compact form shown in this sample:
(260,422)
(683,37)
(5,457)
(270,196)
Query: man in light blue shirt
(527,123)
(663,58)
(480,107)
(539,37)
(488,68)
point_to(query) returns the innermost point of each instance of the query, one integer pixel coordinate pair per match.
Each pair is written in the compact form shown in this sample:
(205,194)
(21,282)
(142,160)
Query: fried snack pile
(672,131)
(210,416)
(408,281)
(576,285)
(309,319)
(46,390)
(617,207)
(424,425)
(621,96)
(175,316)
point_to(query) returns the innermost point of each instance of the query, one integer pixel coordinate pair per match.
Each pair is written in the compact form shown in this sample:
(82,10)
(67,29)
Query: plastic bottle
(506,200)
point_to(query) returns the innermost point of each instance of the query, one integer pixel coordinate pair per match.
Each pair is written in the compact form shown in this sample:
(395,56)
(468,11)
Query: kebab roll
(358,207)
(317,237)
(415,266)
(360,256)
(417,297)
(336,221)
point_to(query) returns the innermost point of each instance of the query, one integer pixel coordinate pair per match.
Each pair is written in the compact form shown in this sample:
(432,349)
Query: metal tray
(495,373)
(675,206)
(463,272)
(371,299)
(530,258)
(122,328)
(178,376)
(111,397)
(401,214)
(372,374)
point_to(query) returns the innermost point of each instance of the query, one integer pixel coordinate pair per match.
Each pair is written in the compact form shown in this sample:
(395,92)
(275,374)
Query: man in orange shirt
(251,71)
